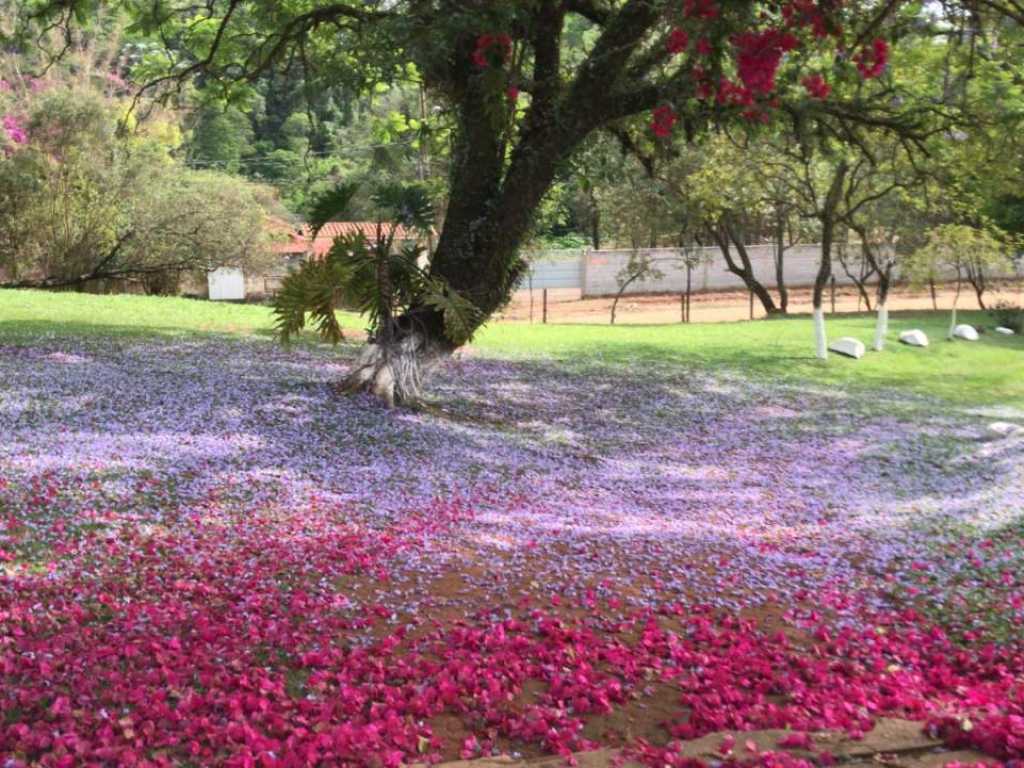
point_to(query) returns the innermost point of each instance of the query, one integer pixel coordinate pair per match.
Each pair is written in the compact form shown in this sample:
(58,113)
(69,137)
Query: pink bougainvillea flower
(798,740)
(871,61)
(806,13)
(664,119)
(758,57)
(700,9)
(15,129)
(733,94)
(816,86)
(677,41)
(492,50)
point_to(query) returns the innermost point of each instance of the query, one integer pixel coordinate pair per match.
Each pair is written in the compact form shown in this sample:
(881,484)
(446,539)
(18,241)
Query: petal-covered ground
(210,557)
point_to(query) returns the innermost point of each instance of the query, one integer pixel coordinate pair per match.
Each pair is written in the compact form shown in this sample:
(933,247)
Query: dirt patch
(899,743)
(566,306)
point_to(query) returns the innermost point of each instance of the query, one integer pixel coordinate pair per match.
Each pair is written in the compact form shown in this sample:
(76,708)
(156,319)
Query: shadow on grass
(990,371)
(489,420)
(27,332)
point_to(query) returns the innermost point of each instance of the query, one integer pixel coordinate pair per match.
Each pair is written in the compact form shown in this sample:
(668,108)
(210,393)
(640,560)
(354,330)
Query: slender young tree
(956,250)
(884,170)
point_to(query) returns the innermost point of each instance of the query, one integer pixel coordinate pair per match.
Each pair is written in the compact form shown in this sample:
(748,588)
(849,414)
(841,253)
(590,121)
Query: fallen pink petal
(252,569)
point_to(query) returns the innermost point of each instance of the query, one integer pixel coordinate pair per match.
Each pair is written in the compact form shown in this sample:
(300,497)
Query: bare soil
(565,305)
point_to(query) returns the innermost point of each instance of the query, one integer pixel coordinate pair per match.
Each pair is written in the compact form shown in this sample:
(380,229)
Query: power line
(341,151)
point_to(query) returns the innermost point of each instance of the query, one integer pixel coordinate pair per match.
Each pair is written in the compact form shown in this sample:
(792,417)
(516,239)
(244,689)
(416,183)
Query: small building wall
(226,284)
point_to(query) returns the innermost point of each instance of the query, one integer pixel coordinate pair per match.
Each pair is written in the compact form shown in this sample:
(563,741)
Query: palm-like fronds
(331,206)
(405,204)
(315,289)
(461,316)
(369,276)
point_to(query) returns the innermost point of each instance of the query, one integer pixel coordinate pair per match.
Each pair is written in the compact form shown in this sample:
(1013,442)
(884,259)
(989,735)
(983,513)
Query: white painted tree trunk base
(395,374)
(820,339)
(881,328)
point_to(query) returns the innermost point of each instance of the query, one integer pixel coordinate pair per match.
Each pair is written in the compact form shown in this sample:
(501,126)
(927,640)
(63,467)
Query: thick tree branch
(590,10)
(600,74)
(546,38)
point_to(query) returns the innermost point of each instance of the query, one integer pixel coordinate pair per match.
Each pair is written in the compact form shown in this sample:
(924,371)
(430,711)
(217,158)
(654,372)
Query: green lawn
(80,313)
(989,372)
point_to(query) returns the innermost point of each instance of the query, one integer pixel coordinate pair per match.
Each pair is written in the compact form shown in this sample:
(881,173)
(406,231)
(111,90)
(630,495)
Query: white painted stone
(1005,331)
(1006,429)
(848,346)
(226,284)
(914,338)
(965,332)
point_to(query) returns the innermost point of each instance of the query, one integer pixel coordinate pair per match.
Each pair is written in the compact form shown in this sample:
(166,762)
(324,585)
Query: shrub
(1009,316)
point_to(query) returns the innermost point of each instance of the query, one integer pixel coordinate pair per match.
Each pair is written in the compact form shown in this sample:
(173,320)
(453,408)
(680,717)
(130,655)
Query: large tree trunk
(489,214)
(394,372)
(494,193)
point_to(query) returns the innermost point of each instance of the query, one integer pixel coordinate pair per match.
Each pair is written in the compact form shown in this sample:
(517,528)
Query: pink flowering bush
(751,60)
(210,559)
(15,129)
(14,100)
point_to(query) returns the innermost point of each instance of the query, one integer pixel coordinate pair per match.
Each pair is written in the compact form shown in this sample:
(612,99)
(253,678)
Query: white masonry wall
(595,273)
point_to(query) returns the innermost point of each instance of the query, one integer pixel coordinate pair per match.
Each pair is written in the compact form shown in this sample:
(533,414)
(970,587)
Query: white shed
(226,284)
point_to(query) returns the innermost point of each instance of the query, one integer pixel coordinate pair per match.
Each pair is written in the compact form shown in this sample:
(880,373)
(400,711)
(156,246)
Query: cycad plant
(382,282)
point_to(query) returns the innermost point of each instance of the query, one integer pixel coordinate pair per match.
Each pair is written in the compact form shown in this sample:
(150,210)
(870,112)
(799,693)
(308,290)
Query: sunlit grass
(987,372)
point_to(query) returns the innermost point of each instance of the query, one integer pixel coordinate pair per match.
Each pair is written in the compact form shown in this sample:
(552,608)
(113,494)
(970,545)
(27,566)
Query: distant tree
(639,267)
(221,139)
(841,176)
(82,203)
(961,251)
(634,210)
(722,192)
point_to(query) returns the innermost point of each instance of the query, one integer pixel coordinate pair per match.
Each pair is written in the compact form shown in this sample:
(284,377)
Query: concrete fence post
(530,278)
(584,270)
